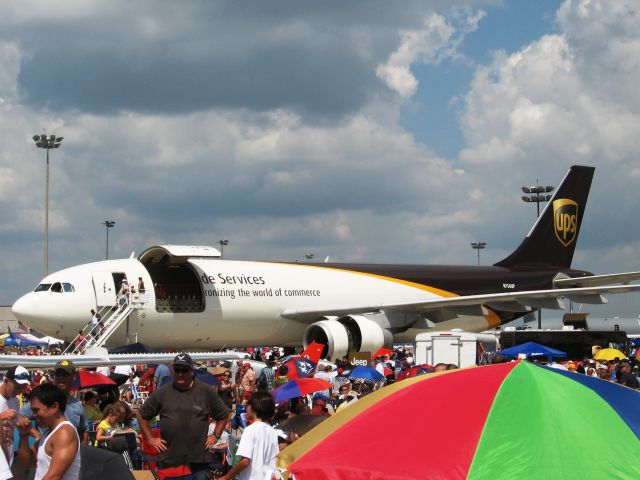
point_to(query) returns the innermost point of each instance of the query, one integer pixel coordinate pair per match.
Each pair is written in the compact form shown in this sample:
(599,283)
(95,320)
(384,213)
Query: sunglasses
(181,370)
(22,376)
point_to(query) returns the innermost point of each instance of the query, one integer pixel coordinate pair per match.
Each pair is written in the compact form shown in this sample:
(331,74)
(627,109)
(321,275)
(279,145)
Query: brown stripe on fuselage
(359,271)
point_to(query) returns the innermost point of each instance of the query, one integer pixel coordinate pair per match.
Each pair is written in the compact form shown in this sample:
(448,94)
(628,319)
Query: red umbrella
(415,371)
(299,387)
(301,368)
(382,352)
(511,420)
(91,379)
(313,352)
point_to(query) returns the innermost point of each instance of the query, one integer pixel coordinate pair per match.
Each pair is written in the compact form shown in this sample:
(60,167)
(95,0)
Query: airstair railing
(111,317)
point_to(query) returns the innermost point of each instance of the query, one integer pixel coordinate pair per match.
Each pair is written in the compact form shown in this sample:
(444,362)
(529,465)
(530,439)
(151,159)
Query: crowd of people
(55,349)
(162,417)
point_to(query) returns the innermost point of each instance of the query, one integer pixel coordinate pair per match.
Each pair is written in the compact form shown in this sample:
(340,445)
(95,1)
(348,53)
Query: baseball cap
(183,359)
(19,375)
(66,366)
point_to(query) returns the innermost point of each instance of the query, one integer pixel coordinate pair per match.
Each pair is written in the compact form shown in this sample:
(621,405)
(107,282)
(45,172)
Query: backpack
(265,379)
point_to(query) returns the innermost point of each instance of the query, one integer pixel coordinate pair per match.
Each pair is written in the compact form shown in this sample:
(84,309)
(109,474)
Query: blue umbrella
(299,387)
(366,373)
(532,349)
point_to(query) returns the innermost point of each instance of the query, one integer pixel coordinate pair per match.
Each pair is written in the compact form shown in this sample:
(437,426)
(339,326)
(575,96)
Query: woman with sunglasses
(225,389)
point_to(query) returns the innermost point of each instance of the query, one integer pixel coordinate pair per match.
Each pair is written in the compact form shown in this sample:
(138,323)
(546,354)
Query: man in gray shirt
(185,407)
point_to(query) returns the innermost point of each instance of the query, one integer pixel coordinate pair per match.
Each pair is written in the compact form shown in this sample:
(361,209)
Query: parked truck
(460,348)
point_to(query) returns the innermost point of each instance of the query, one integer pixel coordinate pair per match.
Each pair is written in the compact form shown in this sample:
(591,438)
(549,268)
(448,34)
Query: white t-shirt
(324,376)
(5,471)
(123,369)
(11,404)
(259,442)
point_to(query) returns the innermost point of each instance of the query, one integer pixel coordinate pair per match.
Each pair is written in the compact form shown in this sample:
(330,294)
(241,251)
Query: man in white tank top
(56,454)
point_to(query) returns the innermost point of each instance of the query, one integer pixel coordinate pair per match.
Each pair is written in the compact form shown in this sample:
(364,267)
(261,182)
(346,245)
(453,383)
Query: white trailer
(460,348)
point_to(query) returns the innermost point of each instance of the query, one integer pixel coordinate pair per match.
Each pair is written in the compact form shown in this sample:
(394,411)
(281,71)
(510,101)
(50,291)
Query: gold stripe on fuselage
(426,288)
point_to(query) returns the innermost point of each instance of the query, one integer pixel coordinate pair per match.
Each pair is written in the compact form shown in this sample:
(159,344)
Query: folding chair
(239,420)
(148,452)
(132,447)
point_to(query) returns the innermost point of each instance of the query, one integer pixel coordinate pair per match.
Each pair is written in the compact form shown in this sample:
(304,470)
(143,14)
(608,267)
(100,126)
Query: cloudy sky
(365,130)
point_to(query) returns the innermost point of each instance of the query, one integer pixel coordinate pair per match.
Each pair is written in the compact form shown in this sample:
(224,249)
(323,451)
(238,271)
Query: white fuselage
(242,301)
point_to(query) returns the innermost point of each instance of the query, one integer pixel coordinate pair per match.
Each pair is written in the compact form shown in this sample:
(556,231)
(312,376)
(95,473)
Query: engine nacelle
(346,334)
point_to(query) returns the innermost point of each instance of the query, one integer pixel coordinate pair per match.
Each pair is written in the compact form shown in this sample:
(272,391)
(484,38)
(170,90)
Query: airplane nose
(24,308)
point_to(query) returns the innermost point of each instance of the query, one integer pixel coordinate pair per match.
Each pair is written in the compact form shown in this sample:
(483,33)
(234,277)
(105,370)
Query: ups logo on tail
(565,220)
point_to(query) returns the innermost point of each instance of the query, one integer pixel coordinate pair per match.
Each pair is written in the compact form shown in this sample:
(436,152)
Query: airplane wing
(598,280)
(100,357)
(471,304)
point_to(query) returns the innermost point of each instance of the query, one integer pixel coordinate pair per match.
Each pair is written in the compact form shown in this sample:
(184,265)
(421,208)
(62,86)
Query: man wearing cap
(185,406)
(65,373)
(16,380)
(248,382)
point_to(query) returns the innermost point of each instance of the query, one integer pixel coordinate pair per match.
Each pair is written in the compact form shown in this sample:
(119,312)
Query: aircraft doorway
(104,288)
(176,287)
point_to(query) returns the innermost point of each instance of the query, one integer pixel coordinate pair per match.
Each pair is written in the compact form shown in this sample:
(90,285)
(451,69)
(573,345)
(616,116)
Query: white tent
(49,340)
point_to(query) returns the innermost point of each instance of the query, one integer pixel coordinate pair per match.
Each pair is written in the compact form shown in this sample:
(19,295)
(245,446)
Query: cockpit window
(68,287)
(56,287)
(43,287)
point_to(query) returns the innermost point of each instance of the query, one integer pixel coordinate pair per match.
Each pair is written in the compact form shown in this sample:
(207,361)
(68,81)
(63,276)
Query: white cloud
(438,40)
(9,68)
(568,98)
(549,101)
(279,182)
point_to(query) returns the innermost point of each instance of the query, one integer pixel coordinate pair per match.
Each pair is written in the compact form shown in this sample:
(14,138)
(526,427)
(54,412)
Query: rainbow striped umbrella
(513,420)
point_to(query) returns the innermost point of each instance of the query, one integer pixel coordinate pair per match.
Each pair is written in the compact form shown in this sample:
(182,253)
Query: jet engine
(347,334)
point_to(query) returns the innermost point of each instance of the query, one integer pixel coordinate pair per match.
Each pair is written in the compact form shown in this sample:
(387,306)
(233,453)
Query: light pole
(42,141)
(538,194)
(108,224)
(222,244)
(478,246)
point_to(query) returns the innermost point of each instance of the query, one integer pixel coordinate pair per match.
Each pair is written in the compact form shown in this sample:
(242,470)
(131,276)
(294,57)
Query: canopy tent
(51,340)
(509,420)
(533,349)
(19,340)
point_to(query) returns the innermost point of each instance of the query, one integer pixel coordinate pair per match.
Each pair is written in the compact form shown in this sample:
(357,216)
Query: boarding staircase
(112,318)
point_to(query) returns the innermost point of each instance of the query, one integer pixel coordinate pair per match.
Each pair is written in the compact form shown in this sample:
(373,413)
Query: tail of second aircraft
(552,240)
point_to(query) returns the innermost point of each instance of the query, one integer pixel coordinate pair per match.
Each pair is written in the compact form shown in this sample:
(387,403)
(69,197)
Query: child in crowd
(107,426)
(259,442)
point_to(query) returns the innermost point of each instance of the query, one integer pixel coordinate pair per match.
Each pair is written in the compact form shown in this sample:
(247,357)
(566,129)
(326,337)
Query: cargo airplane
(195,299)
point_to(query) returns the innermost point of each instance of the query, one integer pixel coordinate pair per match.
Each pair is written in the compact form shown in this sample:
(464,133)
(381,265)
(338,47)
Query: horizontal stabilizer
(550,303)
(508,306)
(590,299)
(475,310)
(99,356)
(597,280)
